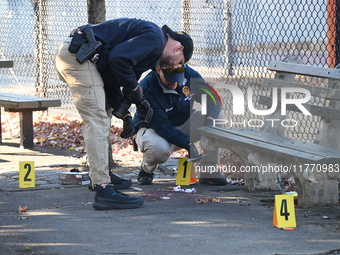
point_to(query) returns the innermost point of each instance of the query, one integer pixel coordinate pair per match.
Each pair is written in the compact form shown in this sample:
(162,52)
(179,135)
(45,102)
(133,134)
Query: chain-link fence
(234,41)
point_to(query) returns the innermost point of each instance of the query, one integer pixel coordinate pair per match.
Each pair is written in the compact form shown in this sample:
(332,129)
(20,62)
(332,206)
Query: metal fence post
(229,36)
(41,45)
(185,16)
(333,33)
(337,29)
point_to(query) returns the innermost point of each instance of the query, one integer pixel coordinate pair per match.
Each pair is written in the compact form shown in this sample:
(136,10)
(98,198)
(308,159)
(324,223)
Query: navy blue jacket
(172,108)
(129,48)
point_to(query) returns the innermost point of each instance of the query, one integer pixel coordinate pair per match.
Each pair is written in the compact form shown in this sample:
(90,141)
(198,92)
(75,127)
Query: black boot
(120,183)
(109,198)
(145,178)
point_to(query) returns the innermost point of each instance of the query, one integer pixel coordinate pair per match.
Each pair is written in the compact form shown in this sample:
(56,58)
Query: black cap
(183,38)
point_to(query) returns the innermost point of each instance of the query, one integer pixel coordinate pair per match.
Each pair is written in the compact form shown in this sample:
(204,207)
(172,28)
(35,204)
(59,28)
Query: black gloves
(128,127)
(135,97)
(122,112)
(193,152)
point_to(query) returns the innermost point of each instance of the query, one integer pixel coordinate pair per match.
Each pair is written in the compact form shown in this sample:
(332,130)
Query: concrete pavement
(215,220)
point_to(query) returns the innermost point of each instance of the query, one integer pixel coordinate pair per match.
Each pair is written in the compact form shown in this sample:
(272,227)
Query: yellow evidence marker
(26,174)
(184,170)
(284,212)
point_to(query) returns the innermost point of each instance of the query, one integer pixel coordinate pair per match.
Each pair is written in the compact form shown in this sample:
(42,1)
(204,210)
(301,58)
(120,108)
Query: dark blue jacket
(129,48)
(172,108)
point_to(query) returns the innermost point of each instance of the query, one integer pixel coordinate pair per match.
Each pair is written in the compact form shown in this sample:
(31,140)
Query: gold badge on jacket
(186,90)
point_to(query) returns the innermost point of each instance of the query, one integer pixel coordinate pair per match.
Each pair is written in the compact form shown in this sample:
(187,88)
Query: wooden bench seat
(25,105)
(295,152)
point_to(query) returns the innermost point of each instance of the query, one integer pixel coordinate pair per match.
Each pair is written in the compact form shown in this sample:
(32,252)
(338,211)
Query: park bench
(315,166)
(25,105)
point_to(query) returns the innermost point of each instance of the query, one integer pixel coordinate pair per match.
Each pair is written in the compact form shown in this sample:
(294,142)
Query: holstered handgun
(146,109)
(89,48)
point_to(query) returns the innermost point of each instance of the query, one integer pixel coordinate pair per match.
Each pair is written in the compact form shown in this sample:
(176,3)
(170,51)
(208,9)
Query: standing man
(171,92)
(96,62)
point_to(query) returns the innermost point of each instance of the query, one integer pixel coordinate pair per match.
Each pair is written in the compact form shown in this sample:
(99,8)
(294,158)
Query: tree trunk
(96,11)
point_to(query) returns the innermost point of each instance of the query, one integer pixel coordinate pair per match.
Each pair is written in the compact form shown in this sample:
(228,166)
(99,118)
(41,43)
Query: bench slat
(322,111)
(315,91)
(14,101)
(19,105)
(25,105)
(6,63)
(271,138)
(301,69)
(45,102)
(225,138)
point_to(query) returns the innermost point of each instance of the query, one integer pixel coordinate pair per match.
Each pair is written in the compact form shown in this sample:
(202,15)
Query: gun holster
(146,110)
(84,44)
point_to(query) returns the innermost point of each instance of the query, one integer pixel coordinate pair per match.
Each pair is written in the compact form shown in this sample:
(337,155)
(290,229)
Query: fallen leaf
(22,209)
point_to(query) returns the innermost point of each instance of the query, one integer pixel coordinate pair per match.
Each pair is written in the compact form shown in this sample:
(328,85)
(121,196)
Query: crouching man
(171,92)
